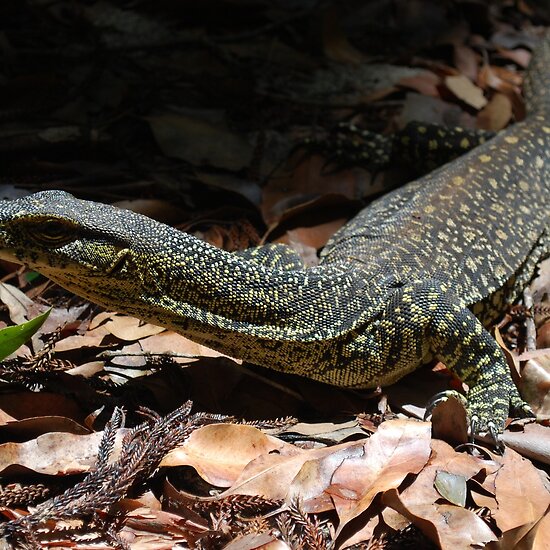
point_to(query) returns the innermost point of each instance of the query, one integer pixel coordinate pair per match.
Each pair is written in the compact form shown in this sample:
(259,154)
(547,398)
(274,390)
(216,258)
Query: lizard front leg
(425,316)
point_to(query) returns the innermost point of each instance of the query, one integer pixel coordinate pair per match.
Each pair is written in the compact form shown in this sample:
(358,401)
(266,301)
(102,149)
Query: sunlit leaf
(451,487)
(11,338)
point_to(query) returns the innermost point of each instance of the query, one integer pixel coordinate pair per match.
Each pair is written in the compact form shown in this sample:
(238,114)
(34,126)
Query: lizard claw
(441,397)
(520,407)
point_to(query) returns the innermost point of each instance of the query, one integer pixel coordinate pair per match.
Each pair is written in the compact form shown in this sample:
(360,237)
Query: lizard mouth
(118,266)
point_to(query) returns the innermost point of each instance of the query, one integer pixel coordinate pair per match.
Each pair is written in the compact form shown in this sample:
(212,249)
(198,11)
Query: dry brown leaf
(279,476)
(257,541)
(520,538)
(394,519)
(130,329)
(524,7)
(200,141)
(67,319)
(533,441)
(308,254)
(220,452)
(33,427)
(433,110)
(87,370)
(513,78)
(425,83)
(520,491)
(488,483)
(312,482)
(315,236)
(489,78)
(251,190)
(100,319)
(464,89)
(449,421)
(483,500)
(18,303)
(412,393)
(328,431)
(447,525)
(386,516)
(543,337)
(152,529)
(310,179)
(466,61)
(145,500)
(540,285)
(53,453)
(445,458)
(140,518)
(377,95)
(520,56)
(5,418)
(535,380)
(496,114)
(91,338)
(539,536)
(398,448)
(172,342)
(129,362)
(365,533)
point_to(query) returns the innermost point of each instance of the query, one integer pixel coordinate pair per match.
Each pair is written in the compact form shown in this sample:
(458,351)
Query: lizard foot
(485,415)
(477,422)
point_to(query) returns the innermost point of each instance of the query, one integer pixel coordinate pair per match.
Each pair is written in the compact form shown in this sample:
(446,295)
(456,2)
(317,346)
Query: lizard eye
(53,232)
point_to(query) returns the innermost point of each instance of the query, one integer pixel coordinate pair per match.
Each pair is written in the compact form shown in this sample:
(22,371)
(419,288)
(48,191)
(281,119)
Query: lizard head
(82,245)
(50,229)
(133,264)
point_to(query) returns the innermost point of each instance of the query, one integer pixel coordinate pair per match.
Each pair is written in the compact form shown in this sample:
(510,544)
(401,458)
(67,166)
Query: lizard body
(394,286)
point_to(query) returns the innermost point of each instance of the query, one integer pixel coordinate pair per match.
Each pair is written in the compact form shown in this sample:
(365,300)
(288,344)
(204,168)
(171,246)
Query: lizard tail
(537,80)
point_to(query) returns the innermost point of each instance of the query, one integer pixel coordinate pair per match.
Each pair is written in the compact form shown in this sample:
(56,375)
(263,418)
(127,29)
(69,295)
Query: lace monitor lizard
(400,282)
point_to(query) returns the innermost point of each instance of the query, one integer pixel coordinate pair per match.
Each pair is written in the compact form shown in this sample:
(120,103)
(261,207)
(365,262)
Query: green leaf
(31,276)
(12,338)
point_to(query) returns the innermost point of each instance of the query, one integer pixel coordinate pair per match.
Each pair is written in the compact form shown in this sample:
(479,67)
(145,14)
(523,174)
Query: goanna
(403,281)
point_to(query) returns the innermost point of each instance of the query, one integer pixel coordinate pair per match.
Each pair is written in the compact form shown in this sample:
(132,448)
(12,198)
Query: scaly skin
(394,286)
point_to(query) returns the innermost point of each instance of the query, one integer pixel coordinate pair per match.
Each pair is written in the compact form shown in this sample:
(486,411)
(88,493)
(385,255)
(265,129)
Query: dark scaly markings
(274,256)
(428,146)
(393,288)
(422,147)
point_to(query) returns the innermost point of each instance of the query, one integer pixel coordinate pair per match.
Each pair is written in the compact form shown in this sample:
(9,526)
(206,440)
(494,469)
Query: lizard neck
(193,287)
(223,290)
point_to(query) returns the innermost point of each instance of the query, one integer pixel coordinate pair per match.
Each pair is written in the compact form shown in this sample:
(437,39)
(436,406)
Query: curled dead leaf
(449,421)
(220,452)
(463,88)
(449,526)
(496,114)
(523,496)
(53,453)
(398,448)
